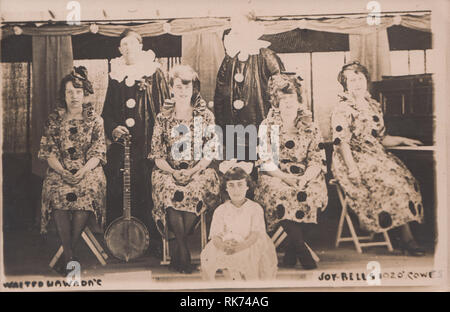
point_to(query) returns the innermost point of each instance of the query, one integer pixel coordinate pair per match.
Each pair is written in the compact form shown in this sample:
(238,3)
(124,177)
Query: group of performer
(249,199)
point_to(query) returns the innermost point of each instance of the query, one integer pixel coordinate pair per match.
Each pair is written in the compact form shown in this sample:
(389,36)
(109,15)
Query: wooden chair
(359,241)
(92,243)
(203,240)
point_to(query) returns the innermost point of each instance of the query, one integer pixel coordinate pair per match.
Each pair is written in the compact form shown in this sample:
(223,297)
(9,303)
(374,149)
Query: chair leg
(341,225)
(56,257)
(388,241)
(313,254)
(166,255)
(93,248)
(203,230)
(94,240)
(353,233)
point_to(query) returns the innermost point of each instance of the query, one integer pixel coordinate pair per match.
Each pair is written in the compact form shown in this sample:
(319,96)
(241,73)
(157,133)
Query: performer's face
(356,82)
(74,96)
(288,103)
(237,189)
(130,49)
(182,90)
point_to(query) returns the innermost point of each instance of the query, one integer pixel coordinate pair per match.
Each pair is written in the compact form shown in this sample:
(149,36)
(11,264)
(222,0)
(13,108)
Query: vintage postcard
(192,145)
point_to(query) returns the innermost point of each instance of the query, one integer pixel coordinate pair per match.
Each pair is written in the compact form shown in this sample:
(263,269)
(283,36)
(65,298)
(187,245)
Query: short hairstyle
(187,75)
(236,173)
(130,33)
(79,79)
(287,83)
(355,67)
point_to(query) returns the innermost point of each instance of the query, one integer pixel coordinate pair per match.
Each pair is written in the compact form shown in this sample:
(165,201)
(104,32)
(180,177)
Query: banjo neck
(126,179)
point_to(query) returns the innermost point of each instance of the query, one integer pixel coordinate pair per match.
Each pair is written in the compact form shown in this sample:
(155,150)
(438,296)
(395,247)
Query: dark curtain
(52,60)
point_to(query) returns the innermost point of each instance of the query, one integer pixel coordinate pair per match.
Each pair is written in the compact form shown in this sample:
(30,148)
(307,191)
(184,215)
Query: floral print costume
(204,188)
(259,261)
(73,142)
(388,195)
(297,152)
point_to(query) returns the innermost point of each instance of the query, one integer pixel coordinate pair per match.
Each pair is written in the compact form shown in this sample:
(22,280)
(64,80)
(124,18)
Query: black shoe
(306,259)
(412,249)
(289,259)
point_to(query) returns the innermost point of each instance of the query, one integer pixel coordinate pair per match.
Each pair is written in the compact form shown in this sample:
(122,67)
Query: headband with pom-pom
(227,165)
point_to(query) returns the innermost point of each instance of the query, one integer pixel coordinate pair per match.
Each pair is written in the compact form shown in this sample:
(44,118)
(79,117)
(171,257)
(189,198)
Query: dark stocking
(79,220)
(62,221)
(176,225)
(294,232)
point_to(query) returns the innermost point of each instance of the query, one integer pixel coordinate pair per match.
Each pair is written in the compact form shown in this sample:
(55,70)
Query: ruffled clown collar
(145,66)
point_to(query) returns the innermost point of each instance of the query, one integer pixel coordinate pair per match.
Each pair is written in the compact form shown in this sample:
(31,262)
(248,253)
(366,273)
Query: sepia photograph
(219,145)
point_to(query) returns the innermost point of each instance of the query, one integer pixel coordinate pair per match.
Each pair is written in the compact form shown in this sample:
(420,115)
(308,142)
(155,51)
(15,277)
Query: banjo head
(127,239)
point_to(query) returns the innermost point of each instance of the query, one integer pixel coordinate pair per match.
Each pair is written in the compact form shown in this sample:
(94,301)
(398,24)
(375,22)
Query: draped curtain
(204,53)
(52,60)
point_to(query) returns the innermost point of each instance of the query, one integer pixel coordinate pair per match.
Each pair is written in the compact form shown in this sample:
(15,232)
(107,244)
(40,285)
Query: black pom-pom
(280,211)
(375,118)
(384,219)
(299,214)
(73,171)
(178,196)
(321,145)
(294,169)
(184,165)
(338,128)
(71,197)
(289,144)
(301,196)
(337,141)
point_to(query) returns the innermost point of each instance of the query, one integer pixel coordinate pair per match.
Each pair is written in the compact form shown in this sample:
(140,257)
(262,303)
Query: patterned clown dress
(297,152)
(388,195)
(203,190)
(73,142)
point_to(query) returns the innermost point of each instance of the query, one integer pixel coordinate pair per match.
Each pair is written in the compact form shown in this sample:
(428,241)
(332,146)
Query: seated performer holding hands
(74,147)
(293,190)
(182,184)
(239,243)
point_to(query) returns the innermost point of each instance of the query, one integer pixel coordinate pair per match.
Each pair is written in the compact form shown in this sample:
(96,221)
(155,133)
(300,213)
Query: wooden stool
(358,241)
(203,240)
(93,244)
(280,235)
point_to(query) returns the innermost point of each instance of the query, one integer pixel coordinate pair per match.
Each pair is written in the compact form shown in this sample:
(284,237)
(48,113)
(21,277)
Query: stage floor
(28,254)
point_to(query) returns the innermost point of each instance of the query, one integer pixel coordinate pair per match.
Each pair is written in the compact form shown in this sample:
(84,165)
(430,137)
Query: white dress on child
(259,261)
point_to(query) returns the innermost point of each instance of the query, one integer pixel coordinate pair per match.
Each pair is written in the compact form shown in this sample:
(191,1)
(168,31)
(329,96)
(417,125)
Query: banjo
(127,237)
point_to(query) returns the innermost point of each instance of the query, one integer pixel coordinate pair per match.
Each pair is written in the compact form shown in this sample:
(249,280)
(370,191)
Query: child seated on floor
(239,244)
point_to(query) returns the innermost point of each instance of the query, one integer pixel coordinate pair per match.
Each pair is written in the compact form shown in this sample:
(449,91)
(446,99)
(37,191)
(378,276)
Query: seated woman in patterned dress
(182,184)
(378,186)
(291,185)
(74,147)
